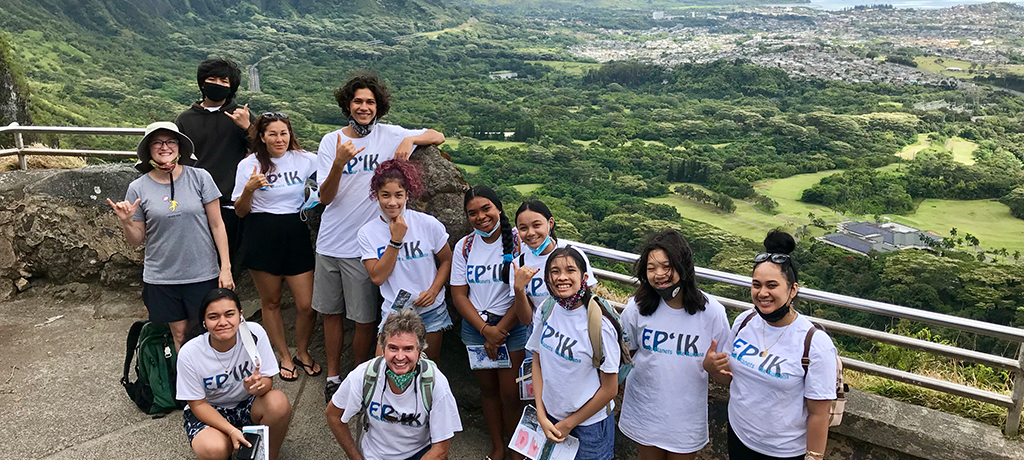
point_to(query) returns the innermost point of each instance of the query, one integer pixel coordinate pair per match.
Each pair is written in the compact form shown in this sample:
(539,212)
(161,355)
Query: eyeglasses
(168,143)
(773,257)
(275,115)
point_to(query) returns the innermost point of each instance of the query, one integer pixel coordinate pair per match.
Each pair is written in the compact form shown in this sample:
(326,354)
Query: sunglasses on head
(771,256)
(275,115)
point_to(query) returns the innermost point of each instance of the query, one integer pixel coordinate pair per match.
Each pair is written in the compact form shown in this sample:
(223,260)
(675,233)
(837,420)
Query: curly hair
(257,146)
(403,321)
(365,80)
(403,171)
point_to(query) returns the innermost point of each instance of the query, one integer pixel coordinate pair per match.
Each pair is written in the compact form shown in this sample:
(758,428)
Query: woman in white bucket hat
(174,209)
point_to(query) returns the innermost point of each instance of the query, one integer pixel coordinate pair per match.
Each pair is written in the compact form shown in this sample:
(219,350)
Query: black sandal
(295,375)
(308,367)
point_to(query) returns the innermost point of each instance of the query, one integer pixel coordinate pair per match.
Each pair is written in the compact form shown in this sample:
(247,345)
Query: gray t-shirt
(179,245)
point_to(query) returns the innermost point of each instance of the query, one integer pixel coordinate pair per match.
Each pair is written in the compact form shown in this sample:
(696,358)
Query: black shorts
(168,303)
(278,244)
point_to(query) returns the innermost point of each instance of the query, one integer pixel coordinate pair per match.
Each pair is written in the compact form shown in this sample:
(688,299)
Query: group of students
(515,285)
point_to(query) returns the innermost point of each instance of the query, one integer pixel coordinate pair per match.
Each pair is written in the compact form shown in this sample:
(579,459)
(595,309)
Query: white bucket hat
(185,147)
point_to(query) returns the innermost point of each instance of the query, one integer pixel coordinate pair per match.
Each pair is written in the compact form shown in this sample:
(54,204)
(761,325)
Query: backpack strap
(370,381)
(426,368)
(131,345)
(745,321)
(522,259)
(594,331)
(517,245)
(806,360)
(467,245)
(545,309)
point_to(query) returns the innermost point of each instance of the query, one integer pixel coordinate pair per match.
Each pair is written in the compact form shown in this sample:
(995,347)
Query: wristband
(395,244)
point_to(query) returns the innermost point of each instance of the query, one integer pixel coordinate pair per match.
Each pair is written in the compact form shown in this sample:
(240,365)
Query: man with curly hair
(347,158)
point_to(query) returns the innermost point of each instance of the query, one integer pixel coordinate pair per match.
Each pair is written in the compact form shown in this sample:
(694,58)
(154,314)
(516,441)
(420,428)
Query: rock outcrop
(56,224)
(13,92)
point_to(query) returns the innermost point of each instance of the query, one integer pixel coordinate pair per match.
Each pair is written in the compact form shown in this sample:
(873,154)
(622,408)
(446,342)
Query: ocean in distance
(901,4)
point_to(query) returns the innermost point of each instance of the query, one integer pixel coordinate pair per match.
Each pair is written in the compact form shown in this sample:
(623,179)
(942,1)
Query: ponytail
(507,241)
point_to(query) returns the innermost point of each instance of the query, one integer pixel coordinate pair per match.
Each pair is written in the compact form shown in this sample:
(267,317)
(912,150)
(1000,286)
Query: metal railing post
(1012,428)
(19,143)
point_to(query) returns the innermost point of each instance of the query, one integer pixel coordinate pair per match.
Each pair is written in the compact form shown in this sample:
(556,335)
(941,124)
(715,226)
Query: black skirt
(278,244)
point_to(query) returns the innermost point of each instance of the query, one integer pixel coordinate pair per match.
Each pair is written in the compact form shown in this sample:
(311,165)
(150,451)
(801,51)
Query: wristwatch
(395,244)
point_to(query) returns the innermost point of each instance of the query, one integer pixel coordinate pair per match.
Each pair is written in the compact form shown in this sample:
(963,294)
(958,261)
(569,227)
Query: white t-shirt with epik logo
(352,207)
(566,360)
(767,410)
(668,385)
(536,291)
(201,373)
(287,190)
(415,268)
(399,424)
(482,273)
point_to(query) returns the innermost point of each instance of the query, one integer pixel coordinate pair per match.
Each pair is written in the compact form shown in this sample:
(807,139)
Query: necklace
(216,354)
(763,327)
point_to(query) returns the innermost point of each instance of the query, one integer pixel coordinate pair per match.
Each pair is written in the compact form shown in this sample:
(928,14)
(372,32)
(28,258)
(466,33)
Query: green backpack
(155,368)
(426,369)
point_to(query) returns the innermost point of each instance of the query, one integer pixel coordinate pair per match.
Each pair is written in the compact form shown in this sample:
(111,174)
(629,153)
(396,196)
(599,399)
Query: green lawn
(989,220)
(568,67)
(910,151)
(468,168)
(928,63)
(454,143)
(963,150)
(526,189)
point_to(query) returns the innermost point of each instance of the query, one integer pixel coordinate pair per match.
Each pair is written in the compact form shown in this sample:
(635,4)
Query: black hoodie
(220,143)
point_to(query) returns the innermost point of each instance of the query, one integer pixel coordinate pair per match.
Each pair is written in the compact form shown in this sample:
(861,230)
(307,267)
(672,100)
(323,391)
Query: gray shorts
(343,286)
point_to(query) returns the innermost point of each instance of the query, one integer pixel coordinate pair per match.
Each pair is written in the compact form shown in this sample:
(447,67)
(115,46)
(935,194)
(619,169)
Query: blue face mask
(487,234)
(540,249)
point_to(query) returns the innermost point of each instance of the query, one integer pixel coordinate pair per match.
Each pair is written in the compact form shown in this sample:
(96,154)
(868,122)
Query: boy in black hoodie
(219,130)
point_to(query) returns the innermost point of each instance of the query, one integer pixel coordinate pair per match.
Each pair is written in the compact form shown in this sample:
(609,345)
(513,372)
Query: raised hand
(240,116)
(257,180)
(398,228)
(254,383)
(523,276)
(124,209)
(345,152)
(716,363)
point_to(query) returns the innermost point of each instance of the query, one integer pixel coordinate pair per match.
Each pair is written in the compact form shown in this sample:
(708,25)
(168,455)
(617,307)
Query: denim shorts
(515,341)
(434,320)
(239,416)
(597,441)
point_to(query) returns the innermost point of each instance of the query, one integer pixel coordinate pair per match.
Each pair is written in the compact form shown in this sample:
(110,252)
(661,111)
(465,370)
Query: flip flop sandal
(308,367)
(295,375)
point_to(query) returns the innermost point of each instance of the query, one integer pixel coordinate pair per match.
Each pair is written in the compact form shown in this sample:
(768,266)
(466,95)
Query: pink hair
(403,171)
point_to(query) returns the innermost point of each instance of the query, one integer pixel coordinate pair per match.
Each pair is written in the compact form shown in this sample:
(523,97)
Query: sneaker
(329,389)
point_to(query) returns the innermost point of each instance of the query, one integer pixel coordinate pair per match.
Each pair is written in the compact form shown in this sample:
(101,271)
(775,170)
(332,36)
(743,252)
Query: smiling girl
(269,190)
(224,389)
(400,247)
(777,407)
(669,323)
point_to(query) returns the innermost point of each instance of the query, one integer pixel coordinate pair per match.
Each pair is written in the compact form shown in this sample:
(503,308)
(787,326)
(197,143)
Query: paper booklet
(478,358)
(529,440)
(525,379)
(263,449)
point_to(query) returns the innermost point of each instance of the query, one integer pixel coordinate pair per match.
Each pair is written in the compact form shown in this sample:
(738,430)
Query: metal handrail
(21,151)
(1013,403)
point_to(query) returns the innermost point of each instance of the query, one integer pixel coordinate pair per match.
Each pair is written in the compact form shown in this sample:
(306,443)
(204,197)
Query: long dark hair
(196,329)
(539,207)
(680,257)
(581,265)
(507,241)
(257,146)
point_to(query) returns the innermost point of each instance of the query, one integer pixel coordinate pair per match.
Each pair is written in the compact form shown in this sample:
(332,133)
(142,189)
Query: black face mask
(776,315)
(215,92)
(670,292)
(360,129)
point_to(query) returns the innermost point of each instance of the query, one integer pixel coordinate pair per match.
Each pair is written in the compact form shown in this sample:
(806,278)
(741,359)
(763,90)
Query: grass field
(963,150)
(568,67)
(928,63)
(454,143)
(910,151)
(989,220)
(468,168)
(526,189)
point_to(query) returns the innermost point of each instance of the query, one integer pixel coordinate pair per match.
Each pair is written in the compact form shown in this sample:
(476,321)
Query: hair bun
(779,242)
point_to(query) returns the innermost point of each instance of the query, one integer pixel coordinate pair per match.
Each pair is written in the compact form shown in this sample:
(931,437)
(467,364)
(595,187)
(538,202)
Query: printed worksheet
(263,449)
(529,440)
(478,358)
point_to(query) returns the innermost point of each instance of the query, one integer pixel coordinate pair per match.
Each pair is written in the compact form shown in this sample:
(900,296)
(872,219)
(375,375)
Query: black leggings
(738,451)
